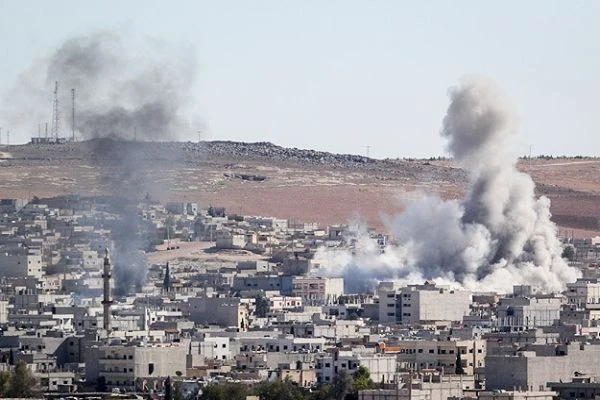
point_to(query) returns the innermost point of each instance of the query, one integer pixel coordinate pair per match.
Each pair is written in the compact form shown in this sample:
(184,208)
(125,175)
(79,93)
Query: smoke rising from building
(129,91)
(499,235)
(127,88)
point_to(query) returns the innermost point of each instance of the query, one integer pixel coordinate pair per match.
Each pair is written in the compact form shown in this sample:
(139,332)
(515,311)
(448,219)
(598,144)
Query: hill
(265,179)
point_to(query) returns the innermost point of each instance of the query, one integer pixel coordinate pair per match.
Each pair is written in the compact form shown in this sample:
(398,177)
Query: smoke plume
(499,235)
(128,91)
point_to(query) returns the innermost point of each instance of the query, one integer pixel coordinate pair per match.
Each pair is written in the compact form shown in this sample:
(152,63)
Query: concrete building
(518,313)
(222,311)
(381,366)
(281,283)
(279,303)
(3,311)
(16,266)
(423,387)
(583,292)
(122,365)
(215,348)
(533,368)
(419,355)
(516,395)
(229,240)
(422,303)
(317,290)
(579,388)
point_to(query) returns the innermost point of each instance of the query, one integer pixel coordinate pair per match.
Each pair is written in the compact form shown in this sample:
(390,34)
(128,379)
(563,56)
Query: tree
(323,392)
(101,384)
(224,391)
(5,379)
(22,382)
(459,370)
(168,389)
(279,390)
(342,384)
(362,379)
(262,305)
(568,253)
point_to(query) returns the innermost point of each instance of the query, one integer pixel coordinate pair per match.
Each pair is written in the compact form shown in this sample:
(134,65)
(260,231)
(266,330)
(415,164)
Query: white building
(279,303)
(3,311)
(381,366)
(422,303)
(215,348)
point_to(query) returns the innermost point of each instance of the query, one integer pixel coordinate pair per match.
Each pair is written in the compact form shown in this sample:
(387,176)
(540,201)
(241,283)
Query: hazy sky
(343,75)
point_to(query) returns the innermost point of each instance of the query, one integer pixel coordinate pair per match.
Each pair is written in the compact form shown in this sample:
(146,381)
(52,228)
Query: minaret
(106,275)
(167,279)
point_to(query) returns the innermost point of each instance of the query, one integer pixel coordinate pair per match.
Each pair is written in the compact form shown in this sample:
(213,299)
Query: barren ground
(297,184)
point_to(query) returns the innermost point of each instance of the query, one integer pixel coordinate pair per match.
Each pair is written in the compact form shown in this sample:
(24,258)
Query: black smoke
(129,91)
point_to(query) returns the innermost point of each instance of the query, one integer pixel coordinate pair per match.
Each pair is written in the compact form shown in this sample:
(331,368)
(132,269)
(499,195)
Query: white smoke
(498,236)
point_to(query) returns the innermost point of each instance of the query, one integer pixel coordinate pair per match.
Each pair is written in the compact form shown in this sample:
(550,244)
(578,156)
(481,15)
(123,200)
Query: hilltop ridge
(268,179)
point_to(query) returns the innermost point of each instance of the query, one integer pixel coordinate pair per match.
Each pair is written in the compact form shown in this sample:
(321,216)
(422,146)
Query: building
(419,355)
(3,311)
(122,365)
(317,290)
(430,386)
(222,311)
(422,303)
(518,313)
(579,388)
(583,292)
(533,368)
(21,265)
(382,367)
(228,240)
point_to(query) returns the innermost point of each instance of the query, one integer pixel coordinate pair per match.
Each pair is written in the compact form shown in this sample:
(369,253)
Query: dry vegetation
(264,179)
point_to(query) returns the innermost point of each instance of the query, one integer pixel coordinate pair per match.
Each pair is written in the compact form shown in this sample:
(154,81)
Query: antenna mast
(73,98)
(55,113)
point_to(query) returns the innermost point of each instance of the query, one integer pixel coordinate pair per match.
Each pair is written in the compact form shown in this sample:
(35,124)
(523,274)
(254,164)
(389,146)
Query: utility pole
(46,131)
(7,137)
(0,136)
(368,150)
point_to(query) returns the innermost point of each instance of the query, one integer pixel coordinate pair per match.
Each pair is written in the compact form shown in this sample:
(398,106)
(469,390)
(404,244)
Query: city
(233,299)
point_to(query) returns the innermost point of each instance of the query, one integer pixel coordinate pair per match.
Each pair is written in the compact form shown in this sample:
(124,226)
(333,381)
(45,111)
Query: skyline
(341,76)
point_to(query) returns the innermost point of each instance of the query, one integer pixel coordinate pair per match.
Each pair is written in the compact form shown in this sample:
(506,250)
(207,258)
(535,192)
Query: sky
(344,76)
